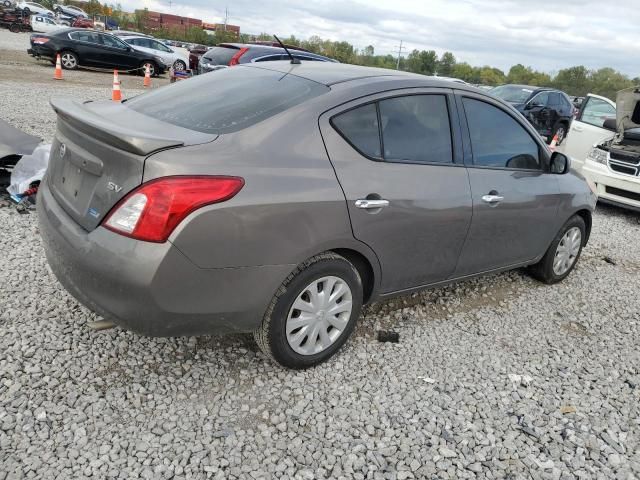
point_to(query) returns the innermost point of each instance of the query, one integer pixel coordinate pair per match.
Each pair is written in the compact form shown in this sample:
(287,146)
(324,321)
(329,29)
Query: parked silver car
(278,199)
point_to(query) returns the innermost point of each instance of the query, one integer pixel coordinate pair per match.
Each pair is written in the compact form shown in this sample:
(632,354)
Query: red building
(156,20)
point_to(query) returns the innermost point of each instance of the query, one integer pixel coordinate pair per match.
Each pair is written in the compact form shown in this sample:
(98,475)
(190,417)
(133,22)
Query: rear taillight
(235,60)
(39,40)
(154,209)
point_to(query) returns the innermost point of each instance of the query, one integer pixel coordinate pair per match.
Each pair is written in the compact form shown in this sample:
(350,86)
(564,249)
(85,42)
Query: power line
(399,53)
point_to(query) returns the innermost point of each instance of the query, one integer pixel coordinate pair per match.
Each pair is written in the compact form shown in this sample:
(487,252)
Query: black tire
(179,66)
(561,128)
(26,10)
(543,270)
(271,336)
(15,28)
(6,3)
(73,61)
(152,67)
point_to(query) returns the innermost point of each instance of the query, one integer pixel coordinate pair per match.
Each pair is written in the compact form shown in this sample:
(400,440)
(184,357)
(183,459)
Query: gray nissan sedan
(278,199)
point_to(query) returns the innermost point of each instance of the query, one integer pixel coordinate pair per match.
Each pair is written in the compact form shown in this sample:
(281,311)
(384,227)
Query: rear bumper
(41,50)
(151,288)
(620,190)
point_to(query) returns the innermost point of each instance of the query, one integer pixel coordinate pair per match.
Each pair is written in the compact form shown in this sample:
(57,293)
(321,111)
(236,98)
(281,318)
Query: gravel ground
(499,377)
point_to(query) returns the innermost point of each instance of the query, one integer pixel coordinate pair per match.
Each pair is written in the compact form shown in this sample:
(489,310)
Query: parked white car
(33,7)
(151,45)
(44,24)
(587,129)
(69,10)
(613,163)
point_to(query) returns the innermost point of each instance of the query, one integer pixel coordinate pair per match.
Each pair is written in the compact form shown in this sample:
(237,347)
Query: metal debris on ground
(567,409)
(388,336)
(609,260)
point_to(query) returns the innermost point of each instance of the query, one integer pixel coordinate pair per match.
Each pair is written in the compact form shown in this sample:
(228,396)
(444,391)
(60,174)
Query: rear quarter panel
(290,208)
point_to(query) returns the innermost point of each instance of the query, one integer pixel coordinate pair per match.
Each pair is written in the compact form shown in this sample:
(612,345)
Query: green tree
(574,80)
(446,64)
(423,62)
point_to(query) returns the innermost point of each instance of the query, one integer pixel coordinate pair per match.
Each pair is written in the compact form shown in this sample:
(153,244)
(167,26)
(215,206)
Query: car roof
(330,73)
(267,48)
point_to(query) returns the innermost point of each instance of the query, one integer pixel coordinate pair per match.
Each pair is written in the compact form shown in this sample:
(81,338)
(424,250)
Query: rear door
(88,47)
(399,161)
(515,199)
(587,128)
(539,113)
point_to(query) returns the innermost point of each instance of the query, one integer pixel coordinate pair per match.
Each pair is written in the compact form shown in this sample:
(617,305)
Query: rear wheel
(179,66)
(561,130)
(313,312)
(69,60)
(153,69)
(563,254)
(15,28)
(6,3)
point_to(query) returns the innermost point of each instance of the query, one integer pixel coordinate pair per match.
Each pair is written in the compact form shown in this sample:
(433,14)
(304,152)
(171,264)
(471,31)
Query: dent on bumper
(152,288)
(603,178)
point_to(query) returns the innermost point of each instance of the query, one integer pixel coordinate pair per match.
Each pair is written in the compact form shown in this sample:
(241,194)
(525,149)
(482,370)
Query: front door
(400,165)
(539,113)
(115,53)
(515,199)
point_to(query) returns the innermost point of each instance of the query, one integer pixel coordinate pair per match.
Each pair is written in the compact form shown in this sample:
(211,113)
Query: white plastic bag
(29,169)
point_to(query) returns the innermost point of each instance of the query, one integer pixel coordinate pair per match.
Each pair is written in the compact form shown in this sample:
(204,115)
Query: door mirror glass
(560,163)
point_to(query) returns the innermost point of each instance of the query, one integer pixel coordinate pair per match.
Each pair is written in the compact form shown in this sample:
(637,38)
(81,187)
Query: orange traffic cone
(554,143)
(116,94)
(58,74)
(147,76)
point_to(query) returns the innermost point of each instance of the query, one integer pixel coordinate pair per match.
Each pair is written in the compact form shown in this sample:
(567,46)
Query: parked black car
(550,111)
(229,54)
(79,47)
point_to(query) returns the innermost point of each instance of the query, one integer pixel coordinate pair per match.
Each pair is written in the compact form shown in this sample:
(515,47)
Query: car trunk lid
(98,155)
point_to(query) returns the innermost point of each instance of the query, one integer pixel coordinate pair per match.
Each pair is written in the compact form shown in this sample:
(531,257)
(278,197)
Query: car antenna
(294,60)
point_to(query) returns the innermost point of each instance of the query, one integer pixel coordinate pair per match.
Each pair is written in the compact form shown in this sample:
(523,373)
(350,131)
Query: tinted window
(271,58)
(113,42)
(90,37)
(416,129)
(220,55)
(596,111)
(360,127)
(497,140)
(513,93)
(555,99)
(540,99)
(227,101)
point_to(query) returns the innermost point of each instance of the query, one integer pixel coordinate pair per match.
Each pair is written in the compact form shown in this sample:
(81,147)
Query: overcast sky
(545,35)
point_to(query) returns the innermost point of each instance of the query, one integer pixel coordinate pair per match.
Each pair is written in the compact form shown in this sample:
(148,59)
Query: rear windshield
(220,55)
(227,100)
(513,93)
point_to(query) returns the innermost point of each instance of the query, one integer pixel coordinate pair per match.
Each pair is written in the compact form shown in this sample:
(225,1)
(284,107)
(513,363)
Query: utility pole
(399,53)
(226,18)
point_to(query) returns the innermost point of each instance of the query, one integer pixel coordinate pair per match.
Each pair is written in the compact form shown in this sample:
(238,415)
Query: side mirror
(610,124)
(559,163)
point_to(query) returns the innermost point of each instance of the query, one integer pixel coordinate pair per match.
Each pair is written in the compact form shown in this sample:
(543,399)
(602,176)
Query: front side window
(541,99)
(159,46)
(497,139)
(596,111)
(555,99)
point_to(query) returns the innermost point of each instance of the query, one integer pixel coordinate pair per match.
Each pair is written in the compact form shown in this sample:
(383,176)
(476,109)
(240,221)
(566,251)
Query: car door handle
(492,198)
(371,204)
(578,129)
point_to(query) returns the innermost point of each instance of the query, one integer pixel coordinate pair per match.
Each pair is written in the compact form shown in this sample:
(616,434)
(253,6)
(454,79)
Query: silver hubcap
(179,66)
(319,315)
(152,69)
(567,251)
(68,60)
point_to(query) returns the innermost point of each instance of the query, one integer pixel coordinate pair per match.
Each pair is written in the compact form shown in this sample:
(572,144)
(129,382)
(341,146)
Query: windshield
(228,100)
(513,93)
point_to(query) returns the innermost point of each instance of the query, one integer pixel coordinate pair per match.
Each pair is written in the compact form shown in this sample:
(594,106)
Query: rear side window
(413,129)
(89,37)
(227,101)
(416,129)
(360,128)
(220,55)
(596,111)
(497,140)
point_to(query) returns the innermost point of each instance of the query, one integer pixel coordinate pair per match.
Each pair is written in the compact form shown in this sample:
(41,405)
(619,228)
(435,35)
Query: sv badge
(113,187)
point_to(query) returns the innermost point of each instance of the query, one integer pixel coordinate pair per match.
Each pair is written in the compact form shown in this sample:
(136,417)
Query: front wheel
(179,66)
(313,312)
(153,69)
(563,254)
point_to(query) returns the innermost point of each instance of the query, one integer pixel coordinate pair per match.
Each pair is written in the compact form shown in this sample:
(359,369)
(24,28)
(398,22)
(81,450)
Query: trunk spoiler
(115,124)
